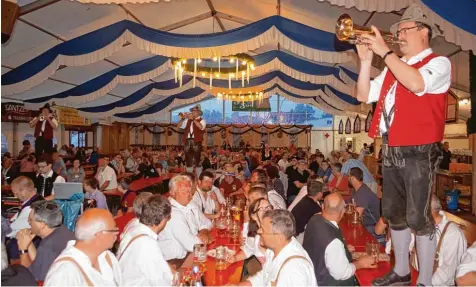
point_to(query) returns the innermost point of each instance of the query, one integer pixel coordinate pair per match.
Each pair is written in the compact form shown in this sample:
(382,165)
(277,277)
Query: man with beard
(206,197)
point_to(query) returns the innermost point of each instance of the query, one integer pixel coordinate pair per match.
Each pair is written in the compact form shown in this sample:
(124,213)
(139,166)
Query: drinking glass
(235,232)
(220,258)
(221,227)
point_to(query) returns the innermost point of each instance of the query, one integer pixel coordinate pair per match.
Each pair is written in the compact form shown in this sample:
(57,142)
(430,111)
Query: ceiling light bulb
(217,75)
(203,74)
(215,59)
(243,73)
(232,75)
(253,68)
(184,61)
(232,60)
(243,63)
(233,96)
(199,61)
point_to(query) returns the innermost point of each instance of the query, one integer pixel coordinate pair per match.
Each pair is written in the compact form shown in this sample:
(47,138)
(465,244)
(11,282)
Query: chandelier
(252,94)
(237,66)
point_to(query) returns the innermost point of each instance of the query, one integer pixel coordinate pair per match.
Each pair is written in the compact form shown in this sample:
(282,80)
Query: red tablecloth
(212,277)
(358,236)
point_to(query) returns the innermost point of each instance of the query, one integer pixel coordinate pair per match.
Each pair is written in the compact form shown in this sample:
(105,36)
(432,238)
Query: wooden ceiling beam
(214,14)
(232,18)
(36,5)
(186,22)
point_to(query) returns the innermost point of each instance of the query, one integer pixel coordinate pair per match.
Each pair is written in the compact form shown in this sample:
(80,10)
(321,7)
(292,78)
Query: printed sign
(256,106)
(70,116)
(16,112)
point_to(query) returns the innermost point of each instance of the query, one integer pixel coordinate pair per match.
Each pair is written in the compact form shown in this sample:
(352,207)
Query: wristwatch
(23,251)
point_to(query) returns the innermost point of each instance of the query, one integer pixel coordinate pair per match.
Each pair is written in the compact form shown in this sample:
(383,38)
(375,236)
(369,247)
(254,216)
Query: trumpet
(183,115)
(347,31)
(41,118)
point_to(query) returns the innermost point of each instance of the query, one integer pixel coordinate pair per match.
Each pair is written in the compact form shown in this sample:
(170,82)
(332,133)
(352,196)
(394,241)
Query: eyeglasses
(264,208)
(404,31)
(42,166)
(115,230)
(260,231)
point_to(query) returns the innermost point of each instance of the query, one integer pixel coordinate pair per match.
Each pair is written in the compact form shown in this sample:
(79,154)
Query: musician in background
(44,125)
(193,125)
(410,115)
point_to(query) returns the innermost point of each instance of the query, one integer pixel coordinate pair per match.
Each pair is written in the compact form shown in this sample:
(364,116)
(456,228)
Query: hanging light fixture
(228,67)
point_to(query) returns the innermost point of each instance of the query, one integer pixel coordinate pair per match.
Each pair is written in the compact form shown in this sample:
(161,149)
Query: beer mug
(200,255)
(221,257)
(221,227)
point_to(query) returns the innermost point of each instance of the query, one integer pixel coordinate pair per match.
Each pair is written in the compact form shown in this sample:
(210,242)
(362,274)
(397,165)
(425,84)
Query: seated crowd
(294,201)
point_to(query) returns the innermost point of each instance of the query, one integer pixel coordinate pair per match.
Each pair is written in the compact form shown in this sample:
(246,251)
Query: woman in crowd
(252,245)
(91,186)
(76,173)
(277,184)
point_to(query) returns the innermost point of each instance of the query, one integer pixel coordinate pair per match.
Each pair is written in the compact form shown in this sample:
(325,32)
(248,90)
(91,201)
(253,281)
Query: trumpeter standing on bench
(193,125)
(411,95)
(44,125)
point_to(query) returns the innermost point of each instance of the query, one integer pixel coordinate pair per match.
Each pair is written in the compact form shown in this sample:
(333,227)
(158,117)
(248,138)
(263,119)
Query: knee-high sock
(189,169)
(198,170)
(401,244)
(426,248)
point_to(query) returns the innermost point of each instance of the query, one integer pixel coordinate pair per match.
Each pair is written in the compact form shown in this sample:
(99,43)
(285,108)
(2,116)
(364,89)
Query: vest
(48,184)
(47,134)
(197,133)
(416,120)
(323,233)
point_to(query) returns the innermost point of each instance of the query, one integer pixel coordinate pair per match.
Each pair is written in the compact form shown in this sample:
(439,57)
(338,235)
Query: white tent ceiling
(58,21)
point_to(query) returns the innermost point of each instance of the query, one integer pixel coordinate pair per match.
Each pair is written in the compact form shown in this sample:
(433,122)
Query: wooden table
(212,277)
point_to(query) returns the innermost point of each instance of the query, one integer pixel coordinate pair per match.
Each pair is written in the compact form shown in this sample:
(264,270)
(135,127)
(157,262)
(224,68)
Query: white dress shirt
(296,272)
(336,260)
(468,262)
(66,273)
(252,247)
(190,134)
(276,200)
(436,76)
(302,193)
(59,179)
(19,221)
(204,201)
(451,252)
(107,174)
(131,224)
(143,264)
(181,232)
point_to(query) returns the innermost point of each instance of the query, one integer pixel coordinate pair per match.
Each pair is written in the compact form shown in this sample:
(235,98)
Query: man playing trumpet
(193,125)
(44,125)
(411,95)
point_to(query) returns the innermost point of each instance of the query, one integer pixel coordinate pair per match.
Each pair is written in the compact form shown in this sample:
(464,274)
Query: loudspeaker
(10,13)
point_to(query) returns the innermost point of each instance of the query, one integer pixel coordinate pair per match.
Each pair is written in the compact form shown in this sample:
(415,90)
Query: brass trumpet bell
(347,31)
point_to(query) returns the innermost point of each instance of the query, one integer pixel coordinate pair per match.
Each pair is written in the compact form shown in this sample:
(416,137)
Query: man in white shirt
(193,125)
(207,198)
(452,247)
(283,163)
(259,176)
(106,176)
(325,244)
(411,95)
(87,260)
(188,225)
(466,272)
(23,189)
(287,263)
(140,257)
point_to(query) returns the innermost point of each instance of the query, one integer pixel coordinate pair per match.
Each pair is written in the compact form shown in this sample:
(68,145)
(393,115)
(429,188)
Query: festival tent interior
(139,63)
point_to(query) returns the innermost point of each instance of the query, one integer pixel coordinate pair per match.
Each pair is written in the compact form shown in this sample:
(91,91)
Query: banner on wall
(16,112)
(70,116)
(256,106)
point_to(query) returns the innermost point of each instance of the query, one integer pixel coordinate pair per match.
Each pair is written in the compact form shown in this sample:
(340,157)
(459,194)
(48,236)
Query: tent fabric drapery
(299,39)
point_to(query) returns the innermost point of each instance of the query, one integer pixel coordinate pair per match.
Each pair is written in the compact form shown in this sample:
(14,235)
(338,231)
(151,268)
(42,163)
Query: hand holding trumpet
(374,43)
